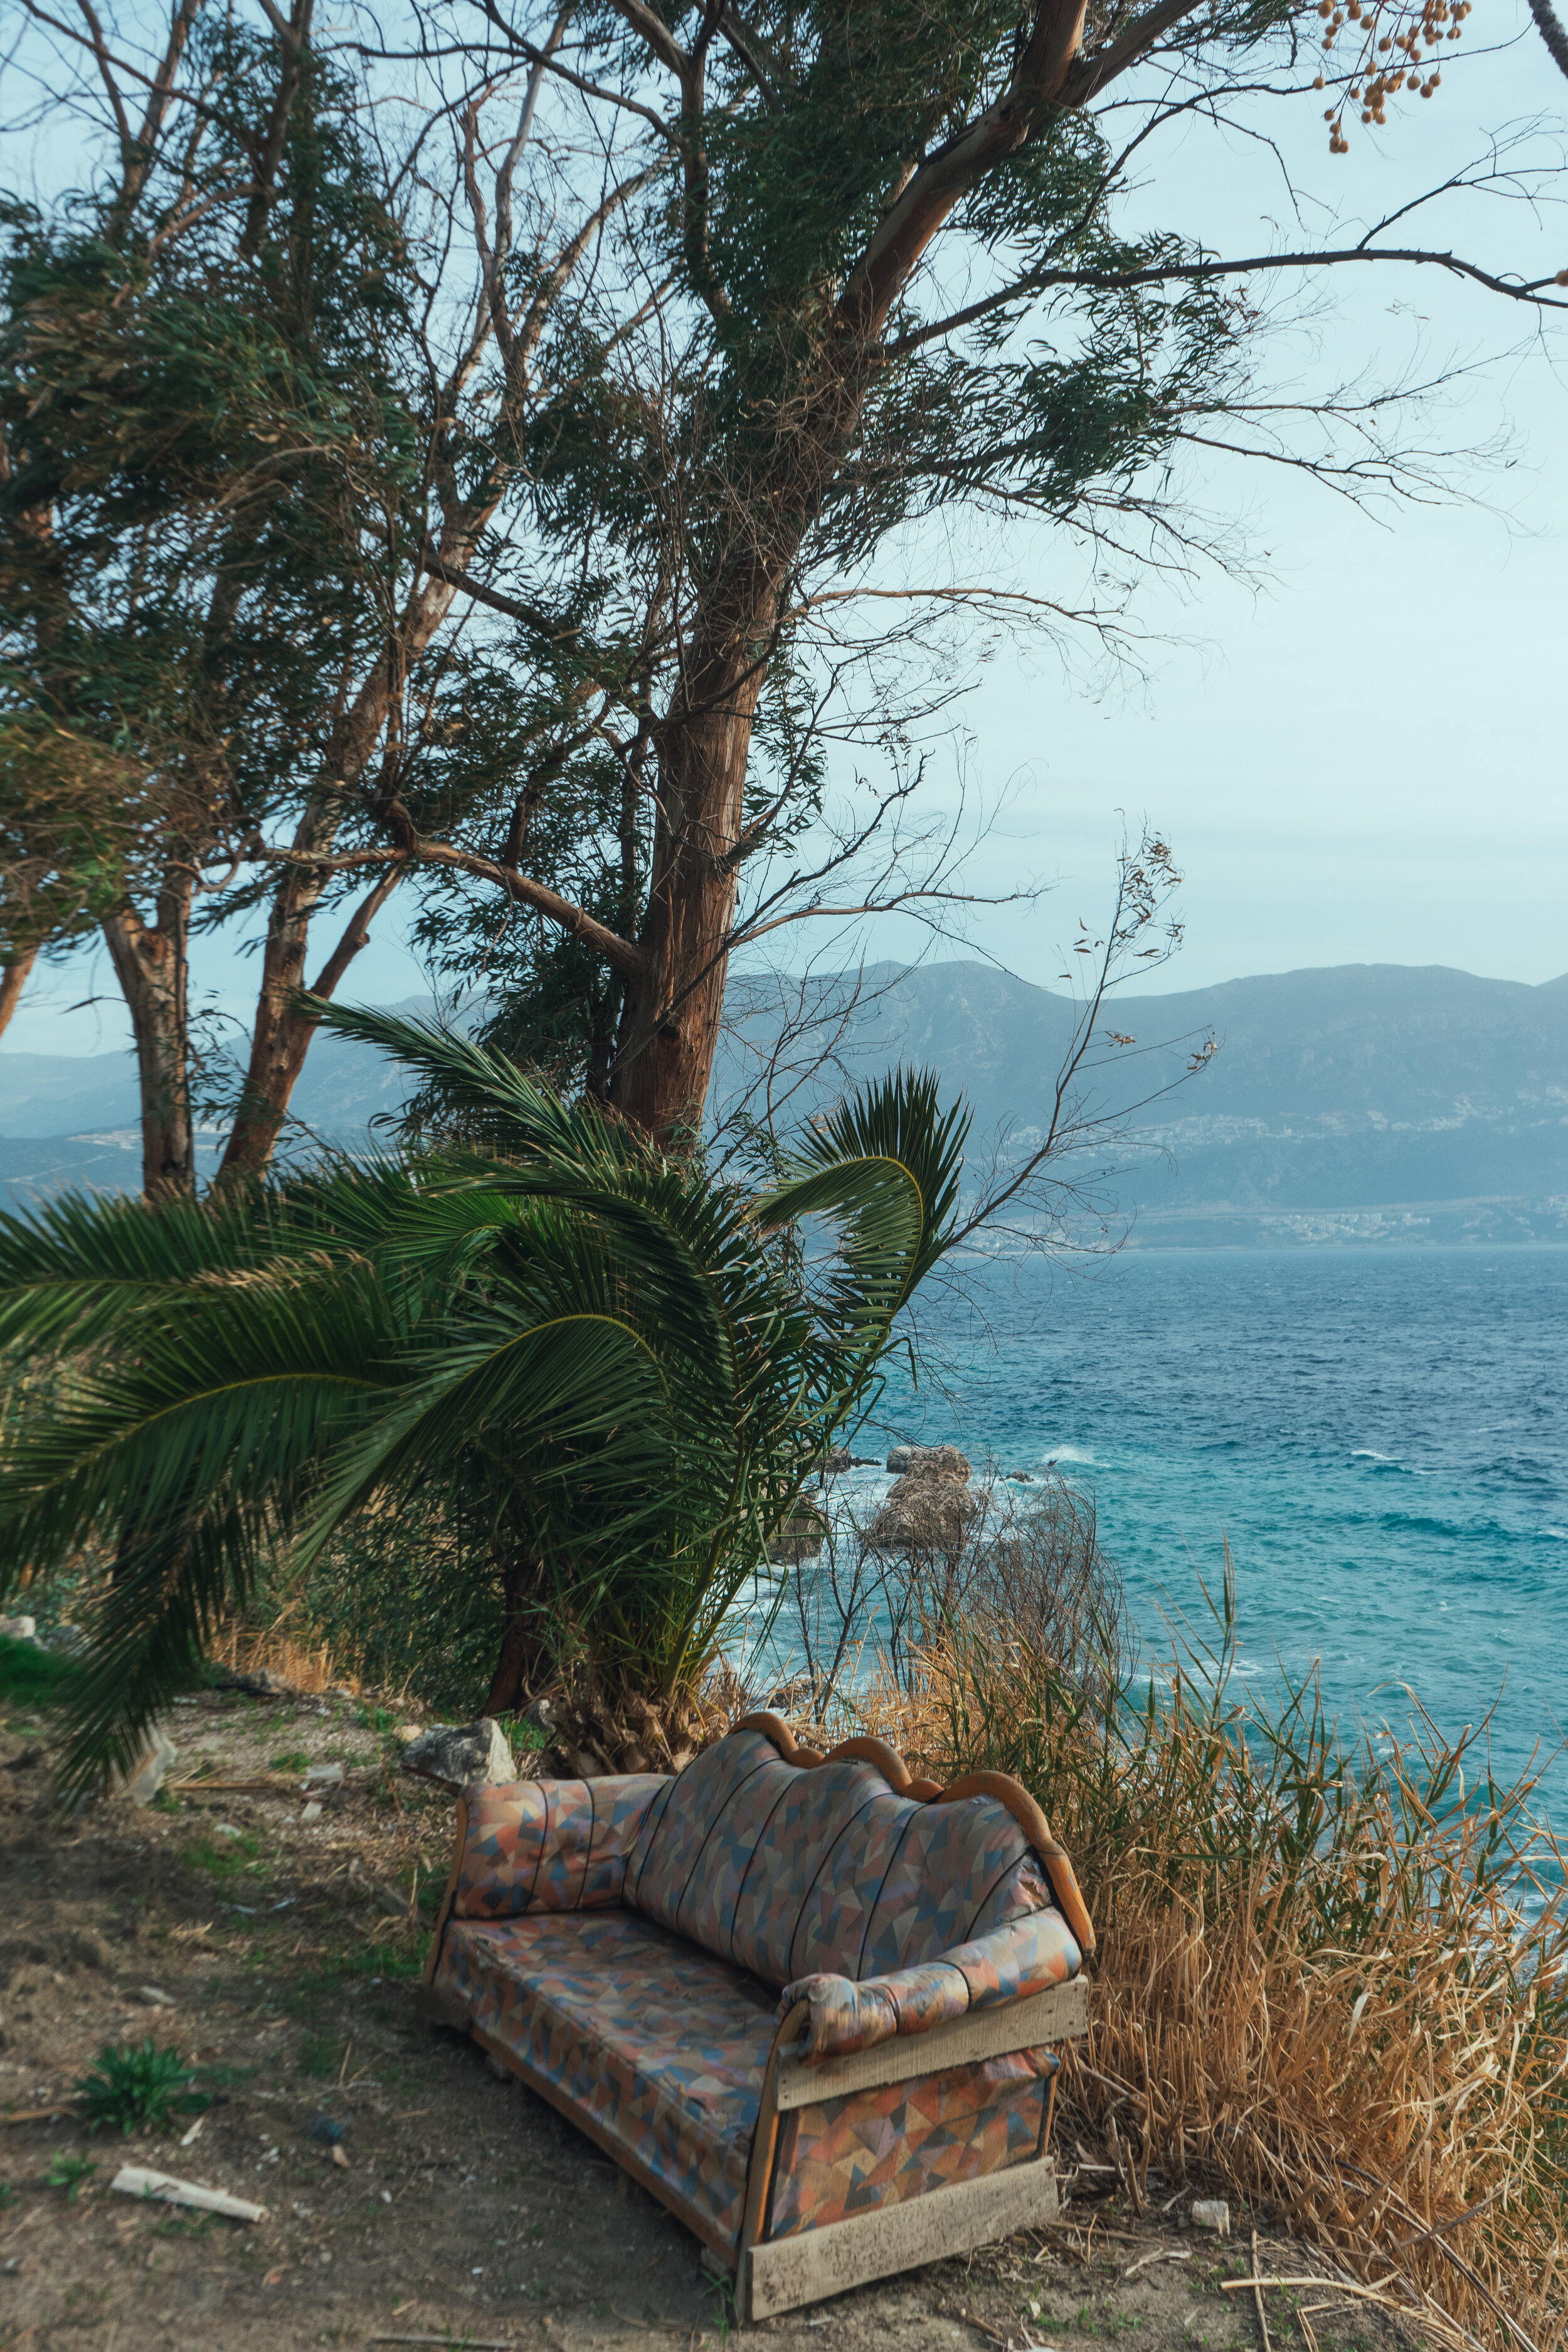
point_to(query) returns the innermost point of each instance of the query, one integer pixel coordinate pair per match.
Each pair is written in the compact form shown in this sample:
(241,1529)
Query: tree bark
(669,1022)
(150,962)
(522,1663)
(12,981)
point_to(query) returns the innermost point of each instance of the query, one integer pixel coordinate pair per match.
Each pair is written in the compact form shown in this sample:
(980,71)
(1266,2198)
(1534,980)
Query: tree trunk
(12,981)
(669,1024)
(522,1663)
(150,962)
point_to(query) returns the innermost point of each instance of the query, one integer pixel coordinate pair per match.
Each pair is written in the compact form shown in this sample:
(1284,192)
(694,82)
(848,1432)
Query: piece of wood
(1258,2297)
(135,2180)
(789,2271)
(449,1898)
(1058,2014)
(766,2137)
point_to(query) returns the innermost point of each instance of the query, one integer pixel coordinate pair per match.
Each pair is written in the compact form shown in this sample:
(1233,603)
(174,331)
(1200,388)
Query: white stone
(1212,2213)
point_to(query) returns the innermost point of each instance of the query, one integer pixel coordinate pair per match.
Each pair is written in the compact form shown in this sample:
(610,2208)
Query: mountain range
(1365,1101)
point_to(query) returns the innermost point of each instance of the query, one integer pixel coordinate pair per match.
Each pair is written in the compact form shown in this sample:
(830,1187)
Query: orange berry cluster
(1389,62)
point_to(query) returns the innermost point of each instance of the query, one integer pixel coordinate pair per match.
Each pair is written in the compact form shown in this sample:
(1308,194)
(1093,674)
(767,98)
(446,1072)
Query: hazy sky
(1363,761)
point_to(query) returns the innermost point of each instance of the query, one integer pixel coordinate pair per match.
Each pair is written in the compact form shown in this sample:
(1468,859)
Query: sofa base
(788,2271)
(697,2222)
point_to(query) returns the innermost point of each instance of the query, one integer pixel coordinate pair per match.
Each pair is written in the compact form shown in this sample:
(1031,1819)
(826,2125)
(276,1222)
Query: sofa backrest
(791,1871)
(550,1845)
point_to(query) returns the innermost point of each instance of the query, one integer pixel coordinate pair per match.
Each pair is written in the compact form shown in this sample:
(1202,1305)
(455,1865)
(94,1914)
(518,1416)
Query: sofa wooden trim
(785,2272)
(459,1845)
(1001,1786)
(1038,2020)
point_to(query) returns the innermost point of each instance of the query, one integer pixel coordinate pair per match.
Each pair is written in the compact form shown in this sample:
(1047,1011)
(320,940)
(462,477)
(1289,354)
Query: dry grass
(1336,1982)
(288,1646)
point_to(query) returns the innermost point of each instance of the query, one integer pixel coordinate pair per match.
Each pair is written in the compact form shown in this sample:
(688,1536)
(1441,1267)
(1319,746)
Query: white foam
(1067,1454)
(1369,1453)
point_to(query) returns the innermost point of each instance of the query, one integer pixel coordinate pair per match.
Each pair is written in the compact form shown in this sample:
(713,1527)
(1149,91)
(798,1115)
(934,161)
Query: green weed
(293,1759)
(137,2089)
(69,2172)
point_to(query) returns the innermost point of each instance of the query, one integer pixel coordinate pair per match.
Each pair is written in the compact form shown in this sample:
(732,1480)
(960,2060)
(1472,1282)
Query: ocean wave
(1369,1453)
(1068,1453)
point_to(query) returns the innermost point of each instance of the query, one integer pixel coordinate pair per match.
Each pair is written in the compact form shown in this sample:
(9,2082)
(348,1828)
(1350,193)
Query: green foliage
(138,2089)
(69,2172)
(610,1375)
(30,1677)
(226,1857)
(293,1759)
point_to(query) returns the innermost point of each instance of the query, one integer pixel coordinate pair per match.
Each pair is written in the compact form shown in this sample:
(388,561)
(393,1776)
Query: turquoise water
(1381,1434)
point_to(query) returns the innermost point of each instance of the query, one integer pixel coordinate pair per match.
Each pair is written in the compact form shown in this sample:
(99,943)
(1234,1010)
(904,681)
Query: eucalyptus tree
(567,407)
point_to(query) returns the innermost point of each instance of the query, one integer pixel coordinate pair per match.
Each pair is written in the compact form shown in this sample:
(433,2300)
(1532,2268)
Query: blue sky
(1361,761)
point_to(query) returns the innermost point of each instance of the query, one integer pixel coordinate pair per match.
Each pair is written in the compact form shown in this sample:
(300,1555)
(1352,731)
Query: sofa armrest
(1025,1956)
(548,1845)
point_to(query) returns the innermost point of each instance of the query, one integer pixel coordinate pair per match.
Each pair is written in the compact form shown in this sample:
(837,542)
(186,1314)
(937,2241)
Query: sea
(1380,1435)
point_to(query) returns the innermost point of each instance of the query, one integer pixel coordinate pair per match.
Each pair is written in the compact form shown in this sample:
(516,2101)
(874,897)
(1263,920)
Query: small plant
(223,1858)
(31,1677)
(69,2172)
(137,2089)
(293,1759)
(7,2197)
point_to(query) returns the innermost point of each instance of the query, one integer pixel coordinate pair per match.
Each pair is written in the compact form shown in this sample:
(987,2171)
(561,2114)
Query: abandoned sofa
(807,2001)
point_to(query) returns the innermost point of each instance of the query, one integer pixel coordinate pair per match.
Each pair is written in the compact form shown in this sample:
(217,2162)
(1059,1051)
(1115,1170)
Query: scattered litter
(386,2196)
(340,2157)
(247,1908)
(156,1997)
(135,2180)
(324,1776)
(225,1829)
(1161,2254)
(311,1813)
(1212,2213)
(194,2133)
(288,1899)
(324,2128)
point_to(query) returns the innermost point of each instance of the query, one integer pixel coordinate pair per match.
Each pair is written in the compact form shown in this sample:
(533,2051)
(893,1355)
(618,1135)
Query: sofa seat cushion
(659,2046)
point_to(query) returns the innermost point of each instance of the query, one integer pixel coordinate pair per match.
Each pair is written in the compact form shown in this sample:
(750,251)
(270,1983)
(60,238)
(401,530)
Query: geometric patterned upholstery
(626,1941)
(875,2148)
(791,1873)
(658,2048)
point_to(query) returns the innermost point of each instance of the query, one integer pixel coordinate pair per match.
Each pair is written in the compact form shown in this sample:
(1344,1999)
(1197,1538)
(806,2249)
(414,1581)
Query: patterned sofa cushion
(793,1872)
(550,1845)
(1025,1956)
(658,2047)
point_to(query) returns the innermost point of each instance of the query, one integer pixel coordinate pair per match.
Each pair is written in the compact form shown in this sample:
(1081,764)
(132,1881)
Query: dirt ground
(278,1955)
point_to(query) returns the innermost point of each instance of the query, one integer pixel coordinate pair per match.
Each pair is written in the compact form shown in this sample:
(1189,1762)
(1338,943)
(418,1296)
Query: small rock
(261,1683)
(156,1997)
(225,1829)
(141,1783)
(21,1629)
(312,1813)
(1212,2213)
(456,1755)
(929,1461)
(69,1641)
(406,1731)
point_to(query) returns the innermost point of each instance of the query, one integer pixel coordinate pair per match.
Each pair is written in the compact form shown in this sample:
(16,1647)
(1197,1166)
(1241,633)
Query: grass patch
(321,2056)
(293,1759)
(30,1677)
(223,1857)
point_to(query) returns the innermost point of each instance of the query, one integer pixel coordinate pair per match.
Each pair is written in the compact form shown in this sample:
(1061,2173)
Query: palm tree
(613,1375)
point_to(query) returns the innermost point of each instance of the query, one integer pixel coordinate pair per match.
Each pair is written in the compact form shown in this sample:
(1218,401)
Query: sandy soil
(466,2211)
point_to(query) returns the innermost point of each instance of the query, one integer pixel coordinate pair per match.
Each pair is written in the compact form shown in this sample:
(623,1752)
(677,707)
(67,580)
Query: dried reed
(1334,1979)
